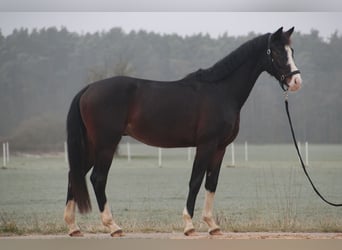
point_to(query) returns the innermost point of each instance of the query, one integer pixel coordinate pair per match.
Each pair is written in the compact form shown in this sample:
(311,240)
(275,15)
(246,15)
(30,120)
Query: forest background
(41,70)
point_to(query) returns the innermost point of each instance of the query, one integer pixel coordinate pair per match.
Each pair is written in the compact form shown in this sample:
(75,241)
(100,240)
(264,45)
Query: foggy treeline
(41,71)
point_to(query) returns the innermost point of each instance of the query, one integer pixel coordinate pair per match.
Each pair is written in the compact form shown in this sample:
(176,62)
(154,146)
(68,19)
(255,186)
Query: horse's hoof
(190,232)
(118,233)
(216,232)
(76,233)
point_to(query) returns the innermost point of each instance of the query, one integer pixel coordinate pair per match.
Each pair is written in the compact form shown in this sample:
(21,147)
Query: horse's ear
(289,32)
(278,34)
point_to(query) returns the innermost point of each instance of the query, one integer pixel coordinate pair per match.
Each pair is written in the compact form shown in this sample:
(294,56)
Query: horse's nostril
(298,82)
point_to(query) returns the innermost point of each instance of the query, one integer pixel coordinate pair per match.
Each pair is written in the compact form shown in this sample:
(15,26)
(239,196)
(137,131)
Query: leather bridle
(282,77)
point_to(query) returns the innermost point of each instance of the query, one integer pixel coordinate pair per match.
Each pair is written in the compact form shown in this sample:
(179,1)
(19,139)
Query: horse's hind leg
(208,160)
(103,160)
(70,208)
(69,213)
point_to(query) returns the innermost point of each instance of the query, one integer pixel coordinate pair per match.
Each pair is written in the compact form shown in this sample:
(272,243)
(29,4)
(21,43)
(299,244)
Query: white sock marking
(69,217)
(208,204)
(207,214)
(107,219)
(188,221)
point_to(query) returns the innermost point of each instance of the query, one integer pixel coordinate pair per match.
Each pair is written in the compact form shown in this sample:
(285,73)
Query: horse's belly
(162,136)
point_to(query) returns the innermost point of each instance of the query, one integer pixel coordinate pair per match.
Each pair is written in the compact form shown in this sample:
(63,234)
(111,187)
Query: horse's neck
(240,84)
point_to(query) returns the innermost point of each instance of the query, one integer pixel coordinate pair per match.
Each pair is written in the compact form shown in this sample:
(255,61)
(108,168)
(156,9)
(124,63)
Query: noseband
(282,77)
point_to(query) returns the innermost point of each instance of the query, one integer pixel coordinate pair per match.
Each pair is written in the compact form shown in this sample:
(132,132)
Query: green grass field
(267,193)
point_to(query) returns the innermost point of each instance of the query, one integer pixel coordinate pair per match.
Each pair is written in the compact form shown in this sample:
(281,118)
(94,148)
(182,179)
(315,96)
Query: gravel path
(225,236)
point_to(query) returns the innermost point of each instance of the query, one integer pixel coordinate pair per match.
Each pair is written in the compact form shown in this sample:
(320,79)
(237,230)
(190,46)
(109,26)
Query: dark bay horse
(201,110)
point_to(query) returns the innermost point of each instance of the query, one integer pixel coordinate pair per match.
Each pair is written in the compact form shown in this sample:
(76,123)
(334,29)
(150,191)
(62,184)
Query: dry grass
(8,225)
(254,196)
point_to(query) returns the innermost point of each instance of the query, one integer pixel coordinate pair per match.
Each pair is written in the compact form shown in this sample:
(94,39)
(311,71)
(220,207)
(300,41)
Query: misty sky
(182,23)
(174,5)
(184,17)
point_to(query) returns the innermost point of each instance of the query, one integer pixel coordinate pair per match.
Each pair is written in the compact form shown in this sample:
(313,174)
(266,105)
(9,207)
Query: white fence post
(189,154)
(233,154)
(4,154)
(129,156)
(159,157)
(7,153)
(65,152)
(306,153)
(246,151)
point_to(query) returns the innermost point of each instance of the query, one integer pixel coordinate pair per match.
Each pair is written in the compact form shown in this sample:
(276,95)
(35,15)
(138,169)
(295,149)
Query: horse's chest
(230,129)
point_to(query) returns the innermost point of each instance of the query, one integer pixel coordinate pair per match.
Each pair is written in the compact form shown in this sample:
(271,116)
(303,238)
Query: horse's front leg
(207,214)
(210,186)
(203,159)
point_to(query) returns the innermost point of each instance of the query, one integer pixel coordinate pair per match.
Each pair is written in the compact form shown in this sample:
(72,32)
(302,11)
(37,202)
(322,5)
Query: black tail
(77,155)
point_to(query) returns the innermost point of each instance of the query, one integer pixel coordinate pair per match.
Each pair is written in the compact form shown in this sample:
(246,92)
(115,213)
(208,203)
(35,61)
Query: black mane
(231,62)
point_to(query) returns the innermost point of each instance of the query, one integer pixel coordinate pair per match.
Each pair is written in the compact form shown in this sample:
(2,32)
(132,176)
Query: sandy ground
(225,236)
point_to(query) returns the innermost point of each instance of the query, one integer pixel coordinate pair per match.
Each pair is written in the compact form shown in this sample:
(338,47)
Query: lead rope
(300,156)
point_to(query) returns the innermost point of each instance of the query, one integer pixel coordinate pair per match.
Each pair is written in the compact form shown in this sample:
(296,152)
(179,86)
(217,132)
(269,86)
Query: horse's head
(281,61)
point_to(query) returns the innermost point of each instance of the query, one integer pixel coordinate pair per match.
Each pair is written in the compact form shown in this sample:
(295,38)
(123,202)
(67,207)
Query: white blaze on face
(294,83)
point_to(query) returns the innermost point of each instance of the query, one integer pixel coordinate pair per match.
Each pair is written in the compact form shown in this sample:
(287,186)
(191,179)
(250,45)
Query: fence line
(242,152)
(236,152)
